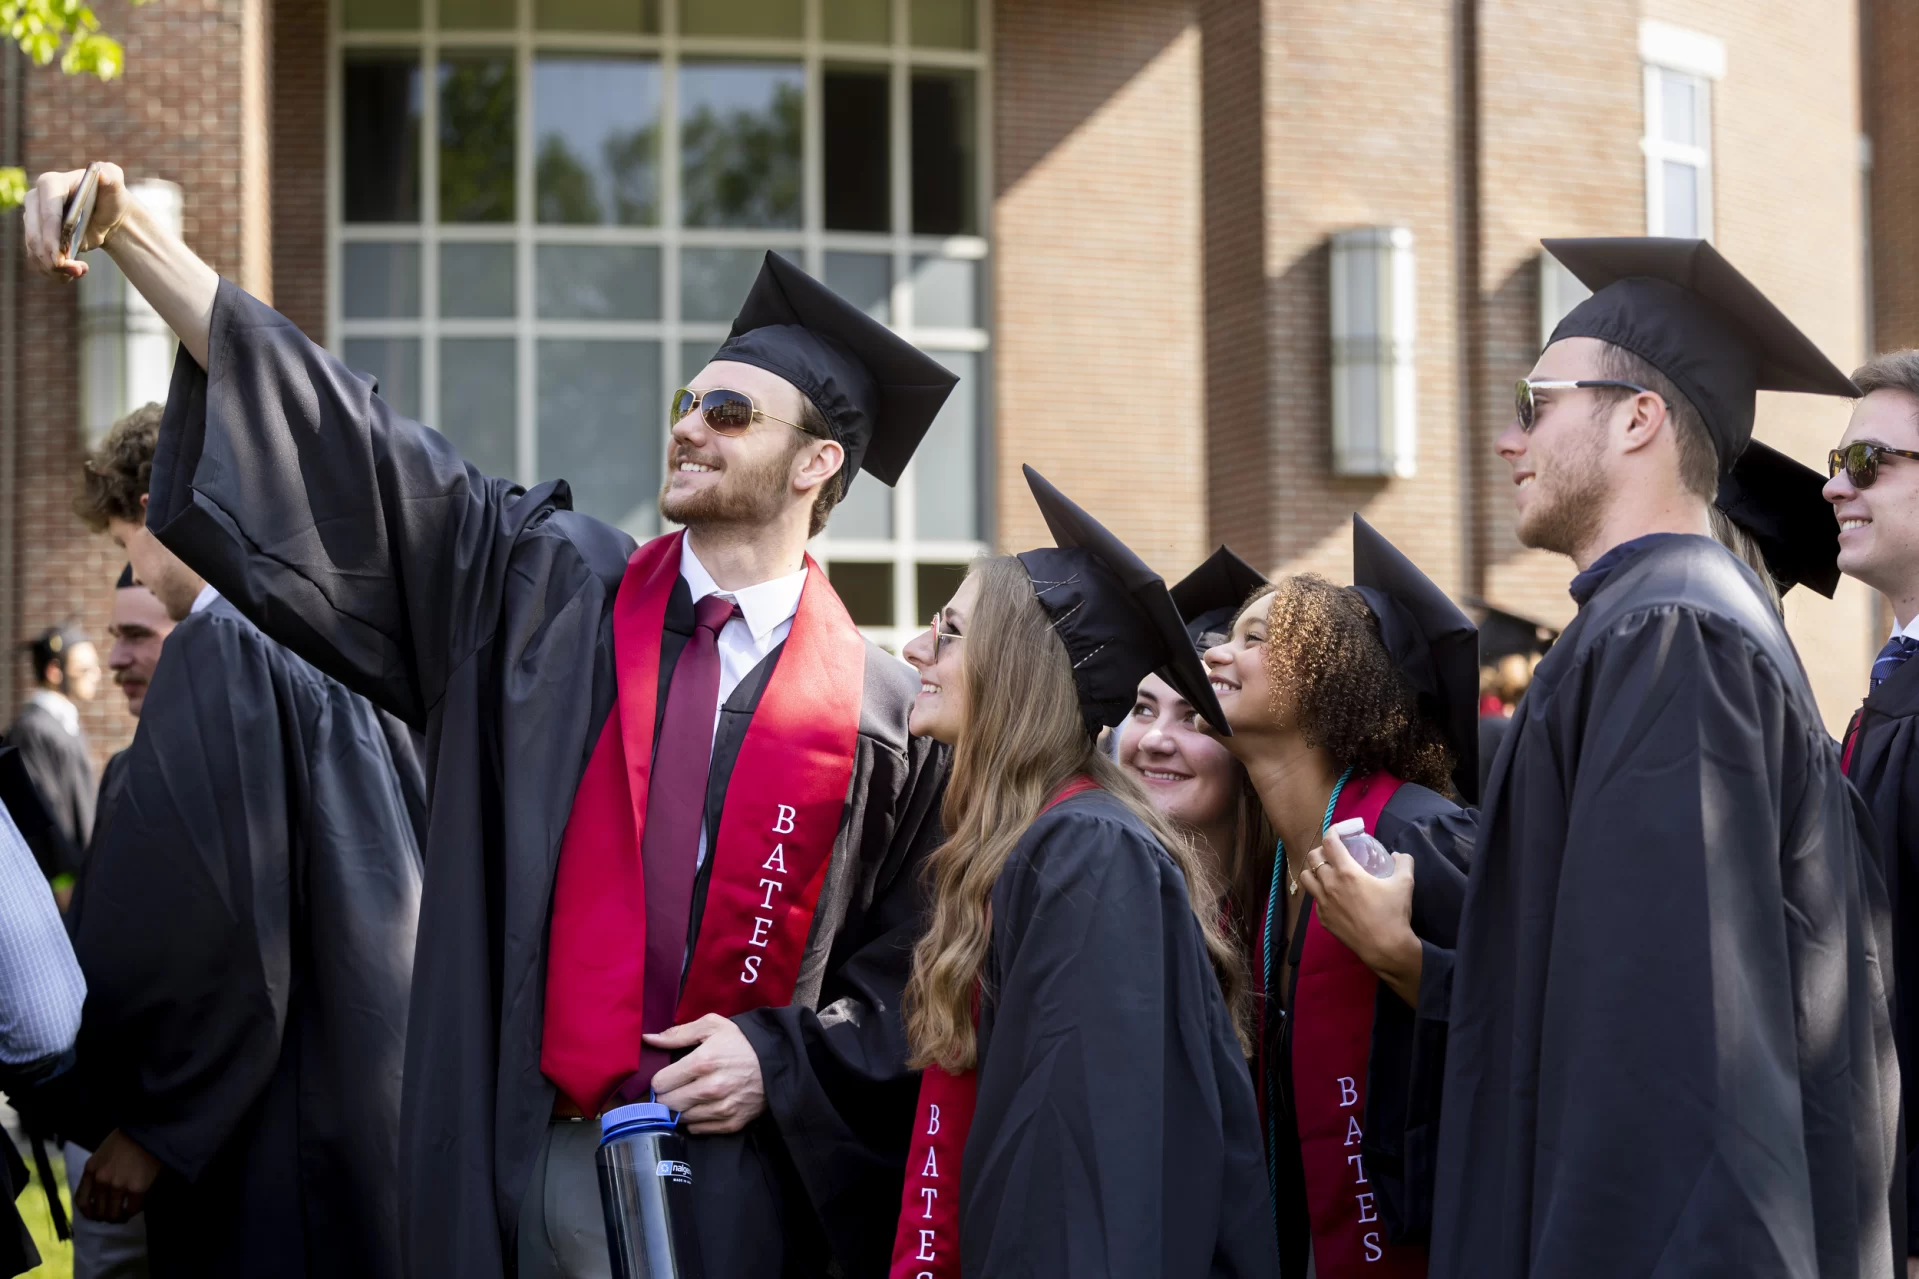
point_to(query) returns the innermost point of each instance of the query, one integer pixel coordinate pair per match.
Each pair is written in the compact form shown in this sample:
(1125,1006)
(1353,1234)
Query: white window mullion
(526,442)
(430,216)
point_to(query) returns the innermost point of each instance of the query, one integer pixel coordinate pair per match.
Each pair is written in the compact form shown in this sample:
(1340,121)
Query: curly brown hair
(1325,657)
(119,470)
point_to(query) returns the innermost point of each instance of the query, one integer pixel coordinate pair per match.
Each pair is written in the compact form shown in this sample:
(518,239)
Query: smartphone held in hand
(79,212)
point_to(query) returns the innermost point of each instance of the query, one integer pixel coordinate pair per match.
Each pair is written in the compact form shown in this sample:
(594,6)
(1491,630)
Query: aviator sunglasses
(1860,461)
(724,412)
(1527,407)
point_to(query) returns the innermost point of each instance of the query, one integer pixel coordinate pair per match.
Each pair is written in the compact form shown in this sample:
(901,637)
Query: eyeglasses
(940,637)
(1860,461)
(1527,407)
(726,412)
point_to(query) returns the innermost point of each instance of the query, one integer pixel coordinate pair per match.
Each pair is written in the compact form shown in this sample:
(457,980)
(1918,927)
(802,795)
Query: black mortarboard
(1434,645)
(877,391)
(1113,613)
(1684,309)
(125,579)
(1502,634)
(1210,596)
(1782,505)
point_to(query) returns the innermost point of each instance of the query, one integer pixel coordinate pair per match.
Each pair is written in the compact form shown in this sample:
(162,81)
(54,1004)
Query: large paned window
(1680,68)
(546,212)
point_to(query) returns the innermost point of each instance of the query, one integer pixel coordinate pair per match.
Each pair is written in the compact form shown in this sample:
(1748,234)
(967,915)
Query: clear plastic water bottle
(1367,851)
(646,1191)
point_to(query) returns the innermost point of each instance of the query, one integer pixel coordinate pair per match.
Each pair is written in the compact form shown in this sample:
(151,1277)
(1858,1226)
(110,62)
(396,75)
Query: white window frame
(808,244)
(1666,50)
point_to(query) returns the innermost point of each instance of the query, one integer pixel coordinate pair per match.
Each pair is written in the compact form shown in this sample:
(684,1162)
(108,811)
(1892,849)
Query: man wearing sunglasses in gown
(673,795)
(1669,1048)
(1874,491)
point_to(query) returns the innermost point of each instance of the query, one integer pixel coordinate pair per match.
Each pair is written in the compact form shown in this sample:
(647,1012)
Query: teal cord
(1266,977)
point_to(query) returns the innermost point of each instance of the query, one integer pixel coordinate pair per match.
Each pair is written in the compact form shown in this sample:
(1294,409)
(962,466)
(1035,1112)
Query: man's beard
(1572,511)
(748,494)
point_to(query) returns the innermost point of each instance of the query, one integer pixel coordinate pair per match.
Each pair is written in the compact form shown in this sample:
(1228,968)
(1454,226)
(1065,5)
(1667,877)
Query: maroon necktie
(675,809)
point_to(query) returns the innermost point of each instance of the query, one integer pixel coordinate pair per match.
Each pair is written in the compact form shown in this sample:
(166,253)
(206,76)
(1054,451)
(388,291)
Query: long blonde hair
(1024,738)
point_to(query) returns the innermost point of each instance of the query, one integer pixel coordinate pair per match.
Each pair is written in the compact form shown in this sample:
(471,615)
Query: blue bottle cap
(639,1116)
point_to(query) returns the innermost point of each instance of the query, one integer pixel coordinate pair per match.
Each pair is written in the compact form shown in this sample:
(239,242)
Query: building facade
(1225,270)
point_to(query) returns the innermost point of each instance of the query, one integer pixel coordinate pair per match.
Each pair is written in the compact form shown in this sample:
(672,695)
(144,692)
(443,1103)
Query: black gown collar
(1587,583)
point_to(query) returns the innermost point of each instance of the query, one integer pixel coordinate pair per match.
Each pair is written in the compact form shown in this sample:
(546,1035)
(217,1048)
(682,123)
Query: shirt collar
(1910,630)
(764,605)
(58,705)
(1587,584)
(204,600)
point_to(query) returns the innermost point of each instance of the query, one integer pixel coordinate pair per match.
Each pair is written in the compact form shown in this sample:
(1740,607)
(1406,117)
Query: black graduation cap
(1434,645)
(1113,613)
(1210,596)
(1502,634)
(1782,504)
(125,579)
(1684,309)
(878,392)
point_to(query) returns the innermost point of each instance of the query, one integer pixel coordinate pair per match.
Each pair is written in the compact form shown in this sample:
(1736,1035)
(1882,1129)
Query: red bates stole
(926,1244)
(782,813)
(1332,1039)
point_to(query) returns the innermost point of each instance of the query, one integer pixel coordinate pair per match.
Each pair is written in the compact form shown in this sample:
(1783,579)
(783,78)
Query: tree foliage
(69,30)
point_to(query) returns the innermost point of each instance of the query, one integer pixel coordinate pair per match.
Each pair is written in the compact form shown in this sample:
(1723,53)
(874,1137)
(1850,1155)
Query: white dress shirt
(60,707)
(203,600)
(766,617)
(1910,630)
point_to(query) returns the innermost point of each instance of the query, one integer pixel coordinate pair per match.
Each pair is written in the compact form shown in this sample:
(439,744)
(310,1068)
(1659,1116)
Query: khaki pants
(562,1230)
(102,1250)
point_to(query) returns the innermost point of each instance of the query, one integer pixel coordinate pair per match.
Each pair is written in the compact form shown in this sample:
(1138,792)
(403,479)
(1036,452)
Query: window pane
(392,362)
(379,281)
(476,280)
(634,17)
(865,280)
(858,21)
(713,282)
(785,18)
(1681,199)
(943,24)
(477,15)
(943,153)
(740,141)
(601,413)
(596,125)
(934,585)
(598,282)
(865,589)
(694,356)
(946,293)
(859,183)
(380,15)
(380,137)
(947,463)
(478,400)
(476,138)
(1678,108)
(865,511)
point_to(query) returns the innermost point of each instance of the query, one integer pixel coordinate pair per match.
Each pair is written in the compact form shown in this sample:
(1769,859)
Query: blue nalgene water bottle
(646,1191)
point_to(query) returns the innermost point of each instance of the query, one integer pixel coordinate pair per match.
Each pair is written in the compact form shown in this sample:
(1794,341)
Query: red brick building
(1153,235)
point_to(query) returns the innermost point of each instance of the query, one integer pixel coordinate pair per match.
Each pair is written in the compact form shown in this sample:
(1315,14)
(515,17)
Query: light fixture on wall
(126,349)
(1375,410)
(1559,292)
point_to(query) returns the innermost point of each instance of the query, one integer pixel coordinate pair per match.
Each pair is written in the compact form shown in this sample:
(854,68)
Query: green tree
(43,28)
(742,167)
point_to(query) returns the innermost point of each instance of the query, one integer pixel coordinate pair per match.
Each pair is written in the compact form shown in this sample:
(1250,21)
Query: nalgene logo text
(675,1170)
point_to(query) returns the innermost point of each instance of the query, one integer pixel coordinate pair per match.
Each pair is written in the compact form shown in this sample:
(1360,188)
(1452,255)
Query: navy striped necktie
(1891,658)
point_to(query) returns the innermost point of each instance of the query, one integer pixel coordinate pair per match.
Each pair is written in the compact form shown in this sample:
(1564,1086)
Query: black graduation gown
(62,770)
(1116,1132)
(1407,1063)
(481,614)
(1884,765)
(113,778)
(246,930)
(1669,1050)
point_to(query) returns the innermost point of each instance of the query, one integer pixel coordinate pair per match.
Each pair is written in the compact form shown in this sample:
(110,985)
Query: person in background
(1354,702)
(1874,495)
(1187,773)
(66,670)
(140,626)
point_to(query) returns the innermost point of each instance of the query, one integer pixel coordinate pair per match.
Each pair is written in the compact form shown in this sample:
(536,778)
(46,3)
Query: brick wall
(1098,350)
(298,167)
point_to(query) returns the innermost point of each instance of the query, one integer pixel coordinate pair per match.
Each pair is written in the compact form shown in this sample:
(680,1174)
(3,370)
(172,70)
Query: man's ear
(1649,418)
(822,463)
(143,508)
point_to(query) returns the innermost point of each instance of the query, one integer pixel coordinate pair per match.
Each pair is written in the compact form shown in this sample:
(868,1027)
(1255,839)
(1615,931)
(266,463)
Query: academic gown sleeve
(1116,1132)
(354,536)
(184,935)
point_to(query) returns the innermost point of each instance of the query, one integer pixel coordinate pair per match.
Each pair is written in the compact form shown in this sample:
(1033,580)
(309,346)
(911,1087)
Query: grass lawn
(56,1258)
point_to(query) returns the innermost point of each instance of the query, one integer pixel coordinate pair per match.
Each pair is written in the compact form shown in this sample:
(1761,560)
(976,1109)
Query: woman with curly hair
(1353,702)
(1085,1107)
